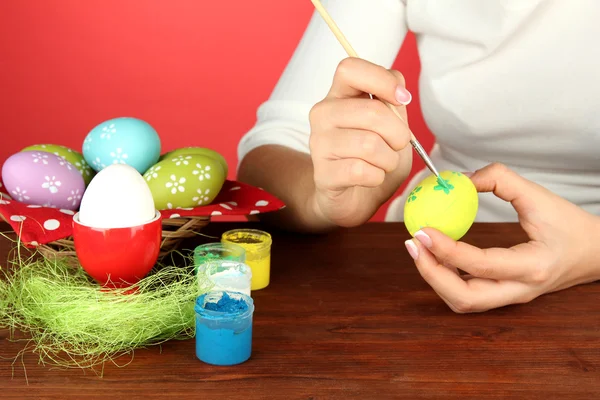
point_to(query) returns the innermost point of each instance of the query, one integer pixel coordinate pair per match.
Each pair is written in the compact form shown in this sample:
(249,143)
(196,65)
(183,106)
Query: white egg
(117,197)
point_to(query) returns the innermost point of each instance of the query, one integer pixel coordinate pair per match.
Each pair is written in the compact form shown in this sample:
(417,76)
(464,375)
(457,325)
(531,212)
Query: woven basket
(235,198)
(174,231)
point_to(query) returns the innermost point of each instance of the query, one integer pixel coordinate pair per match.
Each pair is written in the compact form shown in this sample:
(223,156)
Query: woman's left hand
(562,251)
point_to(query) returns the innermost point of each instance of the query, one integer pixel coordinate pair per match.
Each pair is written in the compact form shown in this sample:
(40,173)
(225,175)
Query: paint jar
(228,276)
(217,251)
(224,327)
(258,253)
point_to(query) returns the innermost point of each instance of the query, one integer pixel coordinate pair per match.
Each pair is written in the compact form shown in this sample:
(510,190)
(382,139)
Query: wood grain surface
(348,316)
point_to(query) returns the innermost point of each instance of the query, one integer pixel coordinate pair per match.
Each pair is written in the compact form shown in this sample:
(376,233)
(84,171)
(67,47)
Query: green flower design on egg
(185,181)
(444,185)
(413,195)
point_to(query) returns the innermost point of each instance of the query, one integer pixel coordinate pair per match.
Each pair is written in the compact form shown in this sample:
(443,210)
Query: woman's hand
(358,146)
(562,251)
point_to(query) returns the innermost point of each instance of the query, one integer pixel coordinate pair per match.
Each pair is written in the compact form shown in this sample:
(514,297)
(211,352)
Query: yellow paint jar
(257,244)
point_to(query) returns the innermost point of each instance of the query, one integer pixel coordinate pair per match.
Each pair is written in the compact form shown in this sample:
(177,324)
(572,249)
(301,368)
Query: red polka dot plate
(37,225)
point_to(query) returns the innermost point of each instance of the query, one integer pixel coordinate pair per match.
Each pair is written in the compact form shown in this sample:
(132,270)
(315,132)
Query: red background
(195,70)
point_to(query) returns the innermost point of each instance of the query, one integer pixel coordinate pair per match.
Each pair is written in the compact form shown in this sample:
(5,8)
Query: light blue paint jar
(217,251)
(224,327)
(227,276)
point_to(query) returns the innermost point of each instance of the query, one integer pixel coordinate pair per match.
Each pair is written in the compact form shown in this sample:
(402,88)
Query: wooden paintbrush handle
(349,50)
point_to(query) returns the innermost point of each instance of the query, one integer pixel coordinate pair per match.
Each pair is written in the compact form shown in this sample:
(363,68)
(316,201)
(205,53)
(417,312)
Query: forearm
(287,174)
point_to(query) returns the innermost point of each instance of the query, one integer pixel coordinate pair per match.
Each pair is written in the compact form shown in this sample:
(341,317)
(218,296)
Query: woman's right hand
(360,149)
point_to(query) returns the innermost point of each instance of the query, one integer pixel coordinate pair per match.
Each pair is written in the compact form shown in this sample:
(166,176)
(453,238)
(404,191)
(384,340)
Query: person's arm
(286,173)
(274,154)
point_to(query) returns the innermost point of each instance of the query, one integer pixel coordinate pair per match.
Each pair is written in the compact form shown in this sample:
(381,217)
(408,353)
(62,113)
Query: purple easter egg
(45,179)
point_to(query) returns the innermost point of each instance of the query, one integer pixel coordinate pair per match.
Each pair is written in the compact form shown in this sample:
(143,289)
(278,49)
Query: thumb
(403,96)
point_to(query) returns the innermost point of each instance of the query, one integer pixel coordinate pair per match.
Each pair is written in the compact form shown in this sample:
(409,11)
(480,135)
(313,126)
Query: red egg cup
(118,257)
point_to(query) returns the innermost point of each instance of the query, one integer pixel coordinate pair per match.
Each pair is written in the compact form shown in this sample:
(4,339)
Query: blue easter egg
(122,140)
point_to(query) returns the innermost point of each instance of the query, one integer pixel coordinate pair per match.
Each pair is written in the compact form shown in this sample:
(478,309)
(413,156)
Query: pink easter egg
(45,179)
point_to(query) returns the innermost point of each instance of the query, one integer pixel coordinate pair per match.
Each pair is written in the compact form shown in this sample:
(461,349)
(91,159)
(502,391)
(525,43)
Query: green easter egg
(70,155)
(201,151)
(184,181)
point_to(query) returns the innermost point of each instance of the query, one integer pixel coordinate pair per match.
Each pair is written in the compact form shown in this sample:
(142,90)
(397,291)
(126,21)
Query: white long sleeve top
(513,81)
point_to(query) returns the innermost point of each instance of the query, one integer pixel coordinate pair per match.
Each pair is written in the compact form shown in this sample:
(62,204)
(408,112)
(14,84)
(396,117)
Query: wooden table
(348,316)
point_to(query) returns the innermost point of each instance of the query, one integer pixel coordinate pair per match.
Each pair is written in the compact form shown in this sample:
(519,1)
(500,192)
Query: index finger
(509,186)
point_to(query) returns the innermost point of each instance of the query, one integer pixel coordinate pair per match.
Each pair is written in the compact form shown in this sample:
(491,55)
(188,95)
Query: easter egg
(43,179)
(449,206)
(117,197)
(123,140)
(72,156)
(187,180)
(198,150)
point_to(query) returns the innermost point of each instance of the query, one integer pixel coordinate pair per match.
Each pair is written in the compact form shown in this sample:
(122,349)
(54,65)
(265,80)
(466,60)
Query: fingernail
(403,96)
(412,249)
(423,238)
(467,173)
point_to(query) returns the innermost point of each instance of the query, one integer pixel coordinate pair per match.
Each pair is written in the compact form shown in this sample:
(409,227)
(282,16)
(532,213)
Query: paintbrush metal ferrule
(423,154)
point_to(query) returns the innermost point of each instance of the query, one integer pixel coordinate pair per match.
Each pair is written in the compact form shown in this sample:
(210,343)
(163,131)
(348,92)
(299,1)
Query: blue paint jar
(224,327)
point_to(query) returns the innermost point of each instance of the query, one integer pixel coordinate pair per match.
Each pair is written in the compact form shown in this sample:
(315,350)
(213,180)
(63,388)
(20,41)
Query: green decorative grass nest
(72,322)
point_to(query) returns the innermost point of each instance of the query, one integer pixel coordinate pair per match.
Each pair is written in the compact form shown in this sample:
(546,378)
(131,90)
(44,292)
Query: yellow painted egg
(449,206)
